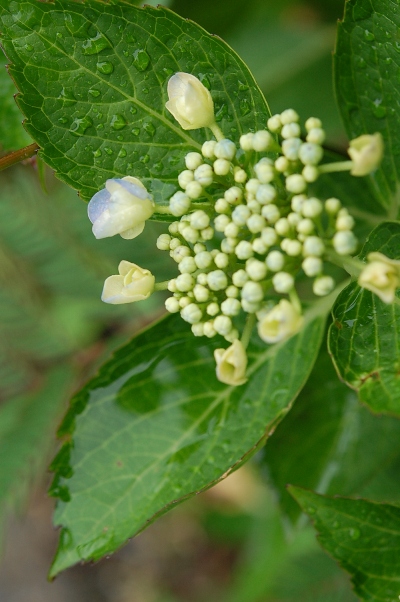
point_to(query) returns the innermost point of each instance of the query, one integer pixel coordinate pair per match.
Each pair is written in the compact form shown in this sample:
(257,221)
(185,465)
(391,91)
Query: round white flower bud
(252,185)
(240,215)
(232,230)
(209,330)
(199,220)
(204,175)
(228,245)
(198,329)
(310,153)
(274,123)
(202,279)
(193,160)
(240,278)
(313,245)
(174,228)
(297,202)
(180,253)
(296,183)
(221,260)
(323,285)
(262,141)
(282,226)
(187,265)
(250,307)
(282,164)
(252,292)
(332,206)
(256,223)
(221,222)
(191,313)
(289,116)
(316,136)
(190,102)
(232,291)
(213,309)
(190,234)
(254,207)
(232,336)
(194,190)
(291,147)
(233,195)
(244,250)
(203,260)
(185,282)
(223,325)
(305,226)
(257,270)
(246,141)
(312,208)
(222,167)
(239,175)
(225,149)
(283,282)
(222,206)
(259,246)
(208,148)
(271,213)
(269,236)
(310,173)
(275,261)
(179,203)
(293,248)
(231,307)
(217,280)
(344,222)
(207,233)
(264,171)
(265,194)
(280,323)
(184,178)
(172,305)
(313,122)
(163,242)
(174,244)
(345,243)
(199,248)
(172,285)
(184,302)
(312,266)
(293,219)
(201,293)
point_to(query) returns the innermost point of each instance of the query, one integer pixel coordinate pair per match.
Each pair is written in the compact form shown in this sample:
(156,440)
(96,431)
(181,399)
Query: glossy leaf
(331,433)
(92,80)
(155,426)
(12,134)
(363,536)
(364,337)
(367,62)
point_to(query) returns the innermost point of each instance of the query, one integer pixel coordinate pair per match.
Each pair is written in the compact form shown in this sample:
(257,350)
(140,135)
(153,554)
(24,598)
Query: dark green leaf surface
(367,62)
(364,338)
(27,426)
(92,80)
(156,426)
(332,433)
(363,536)
(12,134)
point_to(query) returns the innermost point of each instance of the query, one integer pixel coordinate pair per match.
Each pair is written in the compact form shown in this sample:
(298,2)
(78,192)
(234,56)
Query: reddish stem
(19,155)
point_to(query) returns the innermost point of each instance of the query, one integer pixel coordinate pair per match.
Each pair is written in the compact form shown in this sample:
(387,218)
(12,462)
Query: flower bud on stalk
(381,276)
(231,364)
(366,153)
(132,284)
(190,102)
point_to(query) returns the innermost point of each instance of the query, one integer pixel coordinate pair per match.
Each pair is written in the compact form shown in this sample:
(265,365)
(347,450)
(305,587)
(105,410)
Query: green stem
(161,286)
(338,166)
(295,300)
(164,209)
(248,329)
(19,155)
(218,133)
(352,265)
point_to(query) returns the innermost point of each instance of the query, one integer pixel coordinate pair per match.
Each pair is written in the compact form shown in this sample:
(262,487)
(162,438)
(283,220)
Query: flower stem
(248,329)
(161,286)
(338,166)
(352,265)
(163,209)
(295,300)
(218,133)
(19,155)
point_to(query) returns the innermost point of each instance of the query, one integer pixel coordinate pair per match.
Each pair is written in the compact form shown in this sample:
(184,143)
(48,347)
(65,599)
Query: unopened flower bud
(223,325)
(313,245)
(246,141)
(222,167)
(262,141)
(275,261)
(187,265)
(310,153)
(199,220)
(332,206)
(381,276)
(185,283)
(190,102)
(244,250)
(163,242)
(311,207)
(344,242)
(222,206)
(201,293)
(198,329)
(194,190)
(257,270)
(217,280)
(172,305)
(282,226)
(239,278)
(283,282)
(256,223)
(208,148)
(221,260)
(252,292)
(231,364)
(132,284)
(274,123)
(269,236)
(271,213)
(289,116)
(204,175)
(313,122)
(316,136)
(179,203)
(366,153)
(225,149)
(191,313)
(280,323)
(240,215)
(209,330)
(264,171)
(265,194)
(185,177)
(193,160)
(344,222)
(312,266)
(239,175)
(231,307)
(323,285)
(213,309)
(295,183)
(282,164)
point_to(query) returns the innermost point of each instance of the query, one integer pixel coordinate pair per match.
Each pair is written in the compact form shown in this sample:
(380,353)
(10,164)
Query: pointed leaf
(363,536)
(92,80)
(155,426)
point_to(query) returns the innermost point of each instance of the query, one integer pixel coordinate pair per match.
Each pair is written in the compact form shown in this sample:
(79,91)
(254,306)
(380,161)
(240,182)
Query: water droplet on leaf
(145,159)
(122,153)
(244,106)
(95,45)
(97,153)
(141,59)
(379,111)
(108,150)
(95,93)
(136,131)
(149,128)
(28,47)
(105,67)
(118,122)
(354,533)
(205,81)
(80,125)
(68,97)
(368,35)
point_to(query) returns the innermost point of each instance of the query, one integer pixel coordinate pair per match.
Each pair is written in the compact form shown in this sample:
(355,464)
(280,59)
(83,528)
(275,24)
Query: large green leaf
(92,80)
(363,536)
(12,134)
(156,426)
(367,62)
(331,433)
(364,336)
(27,426)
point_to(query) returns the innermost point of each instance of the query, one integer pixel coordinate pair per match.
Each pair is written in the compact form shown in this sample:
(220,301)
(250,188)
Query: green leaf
(367,62)
(331,433)
(27,425)
(364,337)
(156,426)
(12,134)
(92,80)
(363,536)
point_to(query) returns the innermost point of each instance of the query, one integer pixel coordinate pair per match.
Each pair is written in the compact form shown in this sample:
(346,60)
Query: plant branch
(19,155)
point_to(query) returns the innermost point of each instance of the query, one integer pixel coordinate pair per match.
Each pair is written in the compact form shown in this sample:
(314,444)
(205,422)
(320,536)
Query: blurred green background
(229,544)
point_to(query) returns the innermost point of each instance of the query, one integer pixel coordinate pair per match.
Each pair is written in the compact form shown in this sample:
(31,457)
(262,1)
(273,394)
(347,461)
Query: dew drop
(145,90)
(388,60)
(105,67)
(168,72)
(120,138)
(95,45)
(397,46)
(158,167)
(125,52)
(80,125)
(388,34)
(130,166)
(141,59)
(360,62)
(368,35)
(149,128)
(97,153)
(67,97)
(221,112)
(100,126)
(28,47)
(133,110)
(136,131)
(354,533)
(379,111)
(145,159)
(95,93)
(63,120)
(108,150)
(243,86)
(122,153)
(244,106)
(118,122)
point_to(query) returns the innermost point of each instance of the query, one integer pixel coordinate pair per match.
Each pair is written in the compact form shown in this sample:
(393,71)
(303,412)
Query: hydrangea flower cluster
(246,228)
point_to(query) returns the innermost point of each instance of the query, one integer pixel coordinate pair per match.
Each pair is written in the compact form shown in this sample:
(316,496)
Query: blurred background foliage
(230,543)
